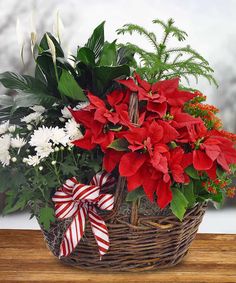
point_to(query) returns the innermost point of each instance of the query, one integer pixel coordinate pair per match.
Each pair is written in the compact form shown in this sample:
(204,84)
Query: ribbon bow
(78,200)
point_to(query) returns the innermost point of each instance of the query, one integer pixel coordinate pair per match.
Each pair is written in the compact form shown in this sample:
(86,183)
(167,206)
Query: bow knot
(78,201)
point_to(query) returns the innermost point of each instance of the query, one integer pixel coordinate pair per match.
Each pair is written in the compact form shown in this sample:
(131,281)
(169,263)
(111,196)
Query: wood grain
(24,258)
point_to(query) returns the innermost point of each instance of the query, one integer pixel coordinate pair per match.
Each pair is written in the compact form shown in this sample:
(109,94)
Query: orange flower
(231,192)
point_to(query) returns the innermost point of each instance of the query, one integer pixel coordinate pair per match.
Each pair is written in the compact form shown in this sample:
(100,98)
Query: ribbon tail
(100,231)
(73,233)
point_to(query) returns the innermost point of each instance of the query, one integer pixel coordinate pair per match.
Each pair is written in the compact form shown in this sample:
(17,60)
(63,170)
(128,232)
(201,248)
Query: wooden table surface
(24,258)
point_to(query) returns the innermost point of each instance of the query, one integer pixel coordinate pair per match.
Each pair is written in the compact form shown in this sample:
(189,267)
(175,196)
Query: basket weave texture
(156,242)
(141,238)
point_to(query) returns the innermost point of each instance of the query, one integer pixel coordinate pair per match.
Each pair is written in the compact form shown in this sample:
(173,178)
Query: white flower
(32,160)
(62,119)
(41,136)
(40,139)
(66,113)
(81,105)
(58,136)
(44,150)
(4,149)
(17,142)
(72,130)
(52,48)
(44,138)
(29,127)
(14,159)
(12,128)
(38,108)
(36,117)
(4,127)
(58,26)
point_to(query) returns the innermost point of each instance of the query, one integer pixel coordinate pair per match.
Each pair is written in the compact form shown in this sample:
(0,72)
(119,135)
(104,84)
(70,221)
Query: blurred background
(210,24)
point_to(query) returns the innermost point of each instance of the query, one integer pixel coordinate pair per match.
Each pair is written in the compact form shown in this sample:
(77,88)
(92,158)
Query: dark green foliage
(46,216)
(97,64)
(179,203)
(68,86)
(100,62)
(135,195)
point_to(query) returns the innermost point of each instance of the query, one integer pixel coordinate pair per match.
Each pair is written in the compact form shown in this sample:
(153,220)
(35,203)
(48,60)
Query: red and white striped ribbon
(77,201)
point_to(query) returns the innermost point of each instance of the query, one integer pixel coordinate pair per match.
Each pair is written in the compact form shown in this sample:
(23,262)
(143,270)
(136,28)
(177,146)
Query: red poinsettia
(160,95)
(117,104)
(210,149)
(149,164)
(98,116)
(146,156)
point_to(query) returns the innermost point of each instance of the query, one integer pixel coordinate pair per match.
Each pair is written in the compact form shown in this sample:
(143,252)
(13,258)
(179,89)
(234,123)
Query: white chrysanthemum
(59,136)
(44,150)
(4,149)
(12,128)
(41,136)
(38,108)
(44,138)
(66,113)
(17,142)
(32,160)
(73,130)
(4,127)
(81,105)
(33,117)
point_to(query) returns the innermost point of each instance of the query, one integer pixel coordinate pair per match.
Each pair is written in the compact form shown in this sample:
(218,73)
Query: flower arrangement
(117,108)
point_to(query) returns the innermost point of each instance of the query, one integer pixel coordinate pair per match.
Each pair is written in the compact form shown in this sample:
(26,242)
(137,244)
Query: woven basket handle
(121,183)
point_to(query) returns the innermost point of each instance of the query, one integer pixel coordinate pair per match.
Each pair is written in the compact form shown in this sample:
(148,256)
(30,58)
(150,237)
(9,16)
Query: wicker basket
(142,237)
(156,242)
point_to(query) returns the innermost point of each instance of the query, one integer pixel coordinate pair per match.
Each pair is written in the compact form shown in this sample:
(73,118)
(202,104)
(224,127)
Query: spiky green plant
(164,62)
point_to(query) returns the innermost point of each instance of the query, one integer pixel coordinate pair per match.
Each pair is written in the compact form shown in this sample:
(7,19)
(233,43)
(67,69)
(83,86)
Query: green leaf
(69,87)
(119,145)
(23,83)
(28,99)
(188,191)
(108,54)
(45,62)
(46,216)
(68,168)
(96,41)
(31,91)
(219,204)
(6,101)
(17,200)
(125,56)
(220,172)
(193,173)
(19,205)
(105,75)
(86,56)
(11,178)
(135,195)
(43,46)
(178,204)
(39,75)
(218,197)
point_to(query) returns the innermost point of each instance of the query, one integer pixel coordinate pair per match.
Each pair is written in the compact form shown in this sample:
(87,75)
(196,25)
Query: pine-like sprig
(164,62)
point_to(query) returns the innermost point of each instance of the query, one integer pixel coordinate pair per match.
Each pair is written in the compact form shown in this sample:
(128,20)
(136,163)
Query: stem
(160,53)
(75,161)
(57,173)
